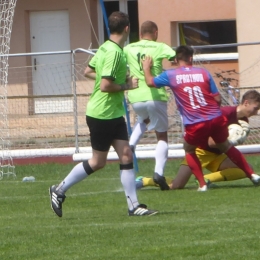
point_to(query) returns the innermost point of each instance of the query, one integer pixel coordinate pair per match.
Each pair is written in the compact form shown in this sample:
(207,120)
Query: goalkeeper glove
(245,126)
(241,139)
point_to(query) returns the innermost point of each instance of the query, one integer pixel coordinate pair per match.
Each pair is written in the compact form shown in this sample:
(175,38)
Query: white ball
(236,134)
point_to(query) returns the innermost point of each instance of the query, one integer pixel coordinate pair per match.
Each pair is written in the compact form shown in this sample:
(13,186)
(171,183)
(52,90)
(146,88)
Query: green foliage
(219,224)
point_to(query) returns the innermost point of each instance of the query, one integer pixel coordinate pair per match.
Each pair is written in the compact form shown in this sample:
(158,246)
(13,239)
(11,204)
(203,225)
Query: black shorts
(104,132)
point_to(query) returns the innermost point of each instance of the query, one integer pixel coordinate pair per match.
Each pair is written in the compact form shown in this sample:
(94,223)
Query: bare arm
(107,85)
(90,73)
(147,64)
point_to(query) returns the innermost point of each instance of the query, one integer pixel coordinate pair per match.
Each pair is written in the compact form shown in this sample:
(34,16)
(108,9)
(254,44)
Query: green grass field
(222,223)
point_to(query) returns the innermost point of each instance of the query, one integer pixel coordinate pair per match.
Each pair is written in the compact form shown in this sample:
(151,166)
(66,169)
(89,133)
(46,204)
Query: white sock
(161,155)
(128,182)
(137,133)
(76,175)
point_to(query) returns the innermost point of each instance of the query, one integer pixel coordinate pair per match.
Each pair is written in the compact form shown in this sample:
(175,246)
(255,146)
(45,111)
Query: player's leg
(161,156)
(101,138)
(157,111)
(196,134)
(140,126)
(230,174)
(142,182)
(181,178)
(83,169)
(178,182)
(127,174)
(219,134)
(236,156)
(101,134)
(223,169)
(195,165)
(205,157)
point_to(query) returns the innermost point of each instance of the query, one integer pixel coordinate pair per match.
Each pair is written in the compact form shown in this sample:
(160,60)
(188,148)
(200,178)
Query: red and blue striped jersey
(194,90)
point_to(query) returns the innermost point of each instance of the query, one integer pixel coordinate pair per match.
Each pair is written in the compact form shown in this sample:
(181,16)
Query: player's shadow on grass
(177,212)
(194,188)
(234,186)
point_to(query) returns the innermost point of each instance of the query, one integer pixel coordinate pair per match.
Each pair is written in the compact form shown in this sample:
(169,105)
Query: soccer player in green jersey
(150,104)
(104,116)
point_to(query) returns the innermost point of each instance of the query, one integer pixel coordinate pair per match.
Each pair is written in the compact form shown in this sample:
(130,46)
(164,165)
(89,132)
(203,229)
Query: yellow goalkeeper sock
(230,174)
(168,180)
(149,181)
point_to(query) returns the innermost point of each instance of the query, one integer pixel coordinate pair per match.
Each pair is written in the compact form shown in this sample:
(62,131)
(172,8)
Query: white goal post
(7,8)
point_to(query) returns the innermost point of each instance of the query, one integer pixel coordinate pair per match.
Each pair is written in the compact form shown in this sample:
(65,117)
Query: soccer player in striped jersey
(220,166)
(150,104)
(198,101)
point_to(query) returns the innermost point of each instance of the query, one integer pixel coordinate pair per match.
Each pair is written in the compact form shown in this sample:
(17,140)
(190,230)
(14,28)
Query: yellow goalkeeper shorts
(208,160)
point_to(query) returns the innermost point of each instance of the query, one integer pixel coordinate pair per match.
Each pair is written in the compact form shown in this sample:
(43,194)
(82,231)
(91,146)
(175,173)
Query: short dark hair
(117,22)
(184,52)
(251,95)
(148,27)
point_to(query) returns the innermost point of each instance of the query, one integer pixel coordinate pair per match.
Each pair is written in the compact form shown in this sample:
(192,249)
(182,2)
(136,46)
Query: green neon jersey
(135,52)
(109,62)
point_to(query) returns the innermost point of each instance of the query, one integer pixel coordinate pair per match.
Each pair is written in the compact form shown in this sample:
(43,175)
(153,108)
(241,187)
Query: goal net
(232,83)
(6,19)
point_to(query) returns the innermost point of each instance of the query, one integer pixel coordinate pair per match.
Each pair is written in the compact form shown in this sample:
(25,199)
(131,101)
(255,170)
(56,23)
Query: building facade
(42,88)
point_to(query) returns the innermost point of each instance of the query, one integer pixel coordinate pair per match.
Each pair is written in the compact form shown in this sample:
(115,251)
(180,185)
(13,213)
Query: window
(110,7)
(132,7)
(209,33)
(127,6)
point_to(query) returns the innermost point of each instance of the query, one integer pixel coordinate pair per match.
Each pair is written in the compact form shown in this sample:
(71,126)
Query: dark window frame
(209,33)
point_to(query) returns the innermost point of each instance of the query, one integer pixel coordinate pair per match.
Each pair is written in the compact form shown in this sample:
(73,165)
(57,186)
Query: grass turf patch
(219,224)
